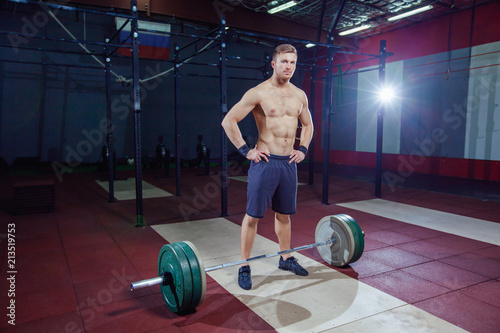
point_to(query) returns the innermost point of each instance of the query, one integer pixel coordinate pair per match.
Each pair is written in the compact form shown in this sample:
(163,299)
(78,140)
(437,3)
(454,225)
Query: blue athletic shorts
(273,182)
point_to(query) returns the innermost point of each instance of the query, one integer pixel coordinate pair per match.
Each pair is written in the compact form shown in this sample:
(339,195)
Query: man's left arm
(306,133)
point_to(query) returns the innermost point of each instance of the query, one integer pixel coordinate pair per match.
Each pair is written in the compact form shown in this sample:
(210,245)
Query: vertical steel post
(2,75)
(312,108)
(137,113)
(330,53)
(312,101)
(380,120)
(177,112)
(109,126)
(471,34)
(223,102)
(328,110)
(41,109)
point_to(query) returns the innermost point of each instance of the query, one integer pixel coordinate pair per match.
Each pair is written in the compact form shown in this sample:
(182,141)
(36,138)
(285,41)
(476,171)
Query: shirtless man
(276,105)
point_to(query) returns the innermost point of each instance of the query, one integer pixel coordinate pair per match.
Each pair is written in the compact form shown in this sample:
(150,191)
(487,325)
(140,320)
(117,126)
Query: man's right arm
(238,112)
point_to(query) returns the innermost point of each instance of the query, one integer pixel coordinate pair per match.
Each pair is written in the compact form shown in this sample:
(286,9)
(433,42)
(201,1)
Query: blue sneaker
(292,264)
(244,277)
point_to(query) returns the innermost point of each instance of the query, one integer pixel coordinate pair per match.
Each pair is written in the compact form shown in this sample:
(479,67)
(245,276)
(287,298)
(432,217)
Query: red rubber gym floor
(74,266)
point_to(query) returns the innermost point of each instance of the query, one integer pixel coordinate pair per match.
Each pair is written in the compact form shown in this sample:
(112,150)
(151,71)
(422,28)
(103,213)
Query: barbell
(182,274)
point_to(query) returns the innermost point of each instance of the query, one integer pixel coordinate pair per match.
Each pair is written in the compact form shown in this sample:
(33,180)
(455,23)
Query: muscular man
(276,105)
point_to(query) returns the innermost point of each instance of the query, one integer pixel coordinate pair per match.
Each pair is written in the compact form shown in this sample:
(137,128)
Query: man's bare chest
(279,105)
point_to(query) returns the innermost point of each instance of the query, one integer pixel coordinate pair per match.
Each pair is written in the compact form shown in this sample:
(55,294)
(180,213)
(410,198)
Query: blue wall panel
(343,120)
(429,99)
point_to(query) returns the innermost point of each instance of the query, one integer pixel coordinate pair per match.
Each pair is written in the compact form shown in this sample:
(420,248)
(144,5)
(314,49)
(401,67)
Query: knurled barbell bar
(182,278)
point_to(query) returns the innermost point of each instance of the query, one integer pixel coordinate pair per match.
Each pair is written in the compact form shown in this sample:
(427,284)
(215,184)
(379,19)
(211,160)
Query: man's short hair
(284,48)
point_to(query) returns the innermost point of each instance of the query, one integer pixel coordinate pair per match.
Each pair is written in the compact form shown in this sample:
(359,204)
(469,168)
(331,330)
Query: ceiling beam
(321,19)
(336,19)
(209,12)
(371,6)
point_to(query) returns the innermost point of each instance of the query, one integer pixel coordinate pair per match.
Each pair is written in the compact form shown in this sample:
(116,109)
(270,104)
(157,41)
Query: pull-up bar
(70,8)
(284,39)
(3,32)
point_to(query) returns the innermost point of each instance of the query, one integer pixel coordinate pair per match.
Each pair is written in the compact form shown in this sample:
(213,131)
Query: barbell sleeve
(146,283)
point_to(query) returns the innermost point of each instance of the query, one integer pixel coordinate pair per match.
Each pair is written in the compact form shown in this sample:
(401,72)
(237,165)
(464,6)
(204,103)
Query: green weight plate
(203,275)
(178,293)
(359,238)
(188,278)
(360,243)
(197,273)
(341,252)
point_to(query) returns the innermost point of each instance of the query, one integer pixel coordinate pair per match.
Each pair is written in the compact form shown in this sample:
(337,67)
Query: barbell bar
(182,276)
(160,279)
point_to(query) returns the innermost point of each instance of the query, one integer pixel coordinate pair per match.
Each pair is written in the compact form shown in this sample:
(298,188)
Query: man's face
(284,65)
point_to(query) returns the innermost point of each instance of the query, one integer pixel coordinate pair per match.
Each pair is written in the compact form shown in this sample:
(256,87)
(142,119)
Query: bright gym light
(386,94)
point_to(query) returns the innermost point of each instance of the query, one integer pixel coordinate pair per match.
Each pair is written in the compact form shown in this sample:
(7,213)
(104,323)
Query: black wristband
(244,150)
(303,149)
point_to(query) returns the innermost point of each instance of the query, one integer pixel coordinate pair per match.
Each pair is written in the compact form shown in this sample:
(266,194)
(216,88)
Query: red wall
(419,40)
(409,164)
